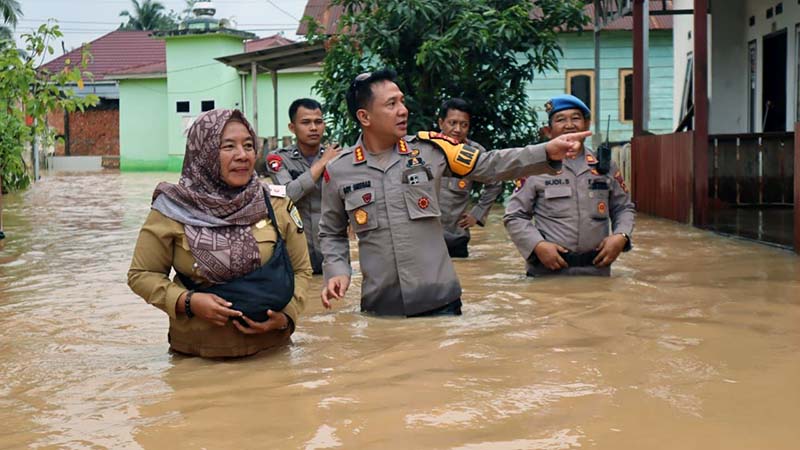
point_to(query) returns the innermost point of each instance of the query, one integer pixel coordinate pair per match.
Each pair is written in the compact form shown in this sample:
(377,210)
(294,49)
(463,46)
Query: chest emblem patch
(361,216)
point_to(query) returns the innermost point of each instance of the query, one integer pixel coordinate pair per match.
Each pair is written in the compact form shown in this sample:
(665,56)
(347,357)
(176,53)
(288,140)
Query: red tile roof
(275,40)
(116,51)
(328,17)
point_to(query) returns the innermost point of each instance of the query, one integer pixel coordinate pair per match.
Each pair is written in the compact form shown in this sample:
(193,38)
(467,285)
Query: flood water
(692,344)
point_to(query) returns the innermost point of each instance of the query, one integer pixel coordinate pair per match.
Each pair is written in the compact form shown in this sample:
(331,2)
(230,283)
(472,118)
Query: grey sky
(86,20)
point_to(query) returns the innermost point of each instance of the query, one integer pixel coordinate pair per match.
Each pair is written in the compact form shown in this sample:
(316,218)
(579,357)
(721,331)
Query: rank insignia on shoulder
(402,147)
(358,155)
(295,215)
(277,190)
(361,216)
(274,162)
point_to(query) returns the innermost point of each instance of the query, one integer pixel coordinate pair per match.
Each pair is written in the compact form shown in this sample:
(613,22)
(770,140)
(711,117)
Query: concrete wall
(616,52)
(728,72)
(143,124)
(194,75)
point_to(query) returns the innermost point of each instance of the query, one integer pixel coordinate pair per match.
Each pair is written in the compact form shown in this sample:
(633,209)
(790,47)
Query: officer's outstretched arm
(508,164)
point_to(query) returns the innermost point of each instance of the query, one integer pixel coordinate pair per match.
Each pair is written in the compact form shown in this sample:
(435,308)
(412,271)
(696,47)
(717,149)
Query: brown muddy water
(692,344)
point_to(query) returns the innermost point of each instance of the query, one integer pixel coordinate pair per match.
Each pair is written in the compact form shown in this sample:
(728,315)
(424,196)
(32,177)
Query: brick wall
(94,132)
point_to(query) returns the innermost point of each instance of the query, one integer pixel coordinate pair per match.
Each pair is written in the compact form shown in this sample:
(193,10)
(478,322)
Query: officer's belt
(580,259)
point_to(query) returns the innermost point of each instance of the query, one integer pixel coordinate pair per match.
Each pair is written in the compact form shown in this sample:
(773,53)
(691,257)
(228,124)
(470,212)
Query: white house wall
(728,66)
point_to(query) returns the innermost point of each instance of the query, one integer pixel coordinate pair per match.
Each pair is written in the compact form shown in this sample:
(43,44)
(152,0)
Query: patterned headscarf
(222,252)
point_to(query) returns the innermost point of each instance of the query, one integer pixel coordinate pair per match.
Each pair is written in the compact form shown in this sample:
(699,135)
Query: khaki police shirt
(454,198)
(162,245)
(395,213)
(572,209)
(294,172)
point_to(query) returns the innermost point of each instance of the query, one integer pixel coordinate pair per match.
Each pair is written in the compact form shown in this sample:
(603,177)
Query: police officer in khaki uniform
(572,209)
(386,185)
(299,168)
(454,196)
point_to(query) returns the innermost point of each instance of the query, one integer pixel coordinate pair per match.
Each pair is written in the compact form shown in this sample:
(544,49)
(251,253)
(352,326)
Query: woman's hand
(212,309)
(275,321)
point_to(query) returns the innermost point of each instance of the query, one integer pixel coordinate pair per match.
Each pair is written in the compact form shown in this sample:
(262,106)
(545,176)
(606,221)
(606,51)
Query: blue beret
(566,101)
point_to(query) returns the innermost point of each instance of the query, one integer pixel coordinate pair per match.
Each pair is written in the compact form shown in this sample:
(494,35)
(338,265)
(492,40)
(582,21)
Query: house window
(206,105)
(580,83)
(182,107)
(625,95)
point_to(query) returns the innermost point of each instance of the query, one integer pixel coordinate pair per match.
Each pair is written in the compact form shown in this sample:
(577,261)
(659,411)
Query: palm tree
(147,15)
(11,12)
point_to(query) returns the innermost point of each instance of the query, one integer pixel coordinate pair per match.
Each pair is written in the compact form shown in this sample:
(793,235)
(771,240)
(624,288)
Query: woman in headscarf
(239,253)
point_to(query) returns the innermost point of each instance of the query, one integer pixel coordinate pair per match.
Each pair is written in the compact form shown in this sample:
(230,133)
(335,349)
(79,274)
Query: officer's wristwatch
(627,242)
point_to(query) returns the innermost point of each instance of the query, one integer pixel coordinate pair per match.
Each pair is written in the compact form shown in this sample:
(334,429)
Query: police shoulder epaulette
(461,158)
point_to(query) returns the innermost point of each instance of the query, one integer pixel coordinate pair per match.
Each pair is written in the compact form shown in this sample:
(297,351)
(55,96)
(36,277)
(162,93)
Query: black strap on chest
(271,286)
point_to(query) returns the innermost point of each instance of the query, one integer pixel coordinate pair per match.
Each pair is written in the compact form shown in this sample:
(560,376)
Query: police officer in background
(386,187)
(299,168)
(454,121)
(572,209)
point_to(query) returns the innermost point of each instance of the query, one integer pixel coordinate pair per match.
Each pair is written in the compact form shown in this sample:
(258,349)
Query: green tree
(11,11)
(27,94)
(485,51)
(147,15)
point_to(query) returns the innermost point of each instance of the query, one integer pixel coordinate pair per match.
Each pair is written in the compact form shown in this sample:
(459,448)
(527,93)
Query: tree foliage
(27,94)
(485,51)
(148,15)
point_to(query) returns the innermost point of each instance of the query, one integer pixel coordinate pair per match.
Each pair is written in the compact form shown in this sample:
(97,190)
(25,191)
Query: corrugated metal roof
(328,17)
(116,51)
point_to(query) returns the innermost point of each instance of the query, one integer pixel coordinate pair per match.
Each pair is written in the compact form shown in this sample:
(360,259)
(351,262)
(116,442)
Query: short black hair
(359,94)
(454,103)
(307,103)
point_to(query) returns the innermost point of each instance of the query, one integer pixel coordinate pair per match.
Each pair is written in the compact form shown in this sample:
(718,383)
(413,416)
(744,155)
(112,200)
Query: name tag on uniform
(277,190)
(557,192)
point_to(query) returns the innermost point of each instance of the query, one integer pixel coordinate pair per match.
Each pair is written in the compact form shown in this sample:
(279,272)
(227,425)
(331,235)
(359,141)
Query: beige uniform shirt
(454,199)
(162,245)
(395,212)
(573,209)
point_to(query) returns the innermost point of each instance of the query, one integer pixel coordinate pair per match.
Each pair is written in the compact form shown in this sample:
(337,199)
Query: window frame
(621,111)
(571,73)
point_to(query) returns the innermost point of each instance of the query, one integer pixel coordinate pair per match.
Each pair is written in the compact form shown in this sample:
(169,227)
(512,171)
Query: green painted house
(159,101)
